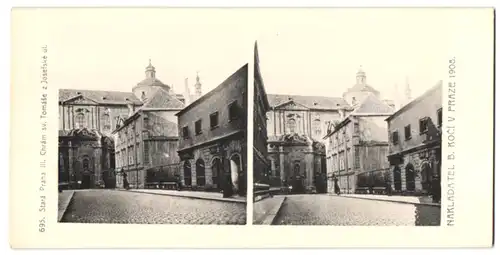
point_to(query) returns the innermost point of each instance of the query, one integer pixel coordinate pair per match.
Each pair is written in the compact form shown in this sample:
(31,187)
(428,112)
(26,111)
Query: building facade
(261,163)
(415,143)
(212,145)
(147,141)
(86,146)
(87,118)
(295,127)
(357,148)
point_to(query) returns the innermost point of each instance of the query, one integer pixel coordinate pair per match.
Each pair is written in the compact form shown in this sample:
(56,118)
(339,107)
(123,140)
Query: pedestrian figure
(178,182)
(227,187)
(436,189)
(388,188)
(125,181)
(336,185)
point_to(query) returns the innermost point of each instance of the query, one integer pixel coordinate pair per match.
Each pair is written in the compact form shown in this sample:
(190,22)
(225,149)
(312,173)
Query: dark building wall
(215,158)
(425,107)
(261,162)
(234,89)
(416,160)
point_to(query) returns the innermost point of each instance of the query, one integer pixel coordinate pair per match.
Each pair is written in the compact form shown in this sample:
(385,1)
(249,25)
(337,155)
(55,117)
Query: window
(137,158)
(233,111)
(146,152)
(356,158)
(107,121)
(214,120)
(408,132)
(185,132)
(197,127)
(118,157)
(291,126)
(80,120)
(317,127)
(395,137)
(146,122)
(440,117)
(424,125)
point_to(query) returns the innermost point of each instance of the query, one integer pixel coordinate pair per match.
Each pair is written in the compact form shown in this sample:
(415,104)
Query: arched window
(107,121)
(292,125)
(80,120)
(316,125)
(200,172)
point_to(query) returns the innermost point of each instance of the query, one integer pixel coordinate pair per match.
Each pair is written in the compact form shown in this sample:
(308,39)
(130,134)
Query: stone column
(309,160)
(273,168)
(98,164)
(193,173)
(282,164)
(70,162)
(391,176)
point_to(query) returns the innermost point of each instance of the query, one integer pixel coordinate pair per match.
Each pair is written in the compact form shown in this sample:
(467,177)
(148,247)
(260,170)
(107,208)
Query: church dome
(150,84)
(151,79)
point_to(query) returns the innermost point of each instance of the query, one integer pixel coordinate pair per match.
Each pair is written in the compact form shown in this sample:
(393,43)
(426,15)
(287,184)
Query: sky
(302,51)
(321,53)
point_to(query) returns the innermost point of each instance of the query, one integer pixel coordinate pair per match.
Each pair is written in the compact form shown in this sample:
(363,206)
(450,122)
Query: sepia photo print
(336,148)
(153,152)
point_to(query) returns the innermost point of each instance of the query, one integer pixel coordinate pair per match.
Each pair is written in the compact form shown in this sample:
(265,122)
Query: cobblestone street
(111,206)
(343,211)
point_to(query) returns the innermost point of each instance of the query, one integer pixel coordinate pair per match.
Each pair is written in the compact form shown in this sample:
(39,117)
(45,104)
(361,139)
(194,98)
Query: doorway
(397,178)
(410,177)
(86,179)
(217,174)
(235,170)
(187,173)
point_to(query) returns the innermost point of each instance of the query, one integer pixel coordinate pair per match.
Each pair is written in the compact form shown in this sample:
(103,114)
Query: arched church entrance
(86,174)
(297,182)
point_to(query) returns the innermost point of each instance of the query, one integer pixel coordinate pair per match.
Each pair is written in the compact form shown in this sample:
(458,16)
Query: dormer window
(103,98)
(78,93)
(315,103)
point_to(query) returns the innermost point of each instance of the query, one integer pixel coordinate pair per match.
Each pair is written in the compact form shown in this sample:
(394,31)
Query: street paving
(112,206)
(343,211)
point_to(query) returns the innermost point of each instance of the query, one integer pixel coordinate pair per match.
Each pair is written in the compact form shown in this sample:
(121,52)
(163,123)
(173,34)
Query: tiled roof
(371,104)
(163,99)
(100,96)
(313,102)
(152,82)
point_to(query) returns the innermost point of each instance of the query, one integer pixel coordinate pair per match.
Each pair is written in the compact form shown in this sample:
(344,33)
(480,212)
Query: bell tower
(150,71)
(197,86)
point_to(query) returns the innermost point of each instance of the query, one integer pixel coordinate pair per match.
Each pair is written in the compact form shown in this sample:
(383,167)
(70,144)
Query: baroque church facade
(296,127)
(87,121)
